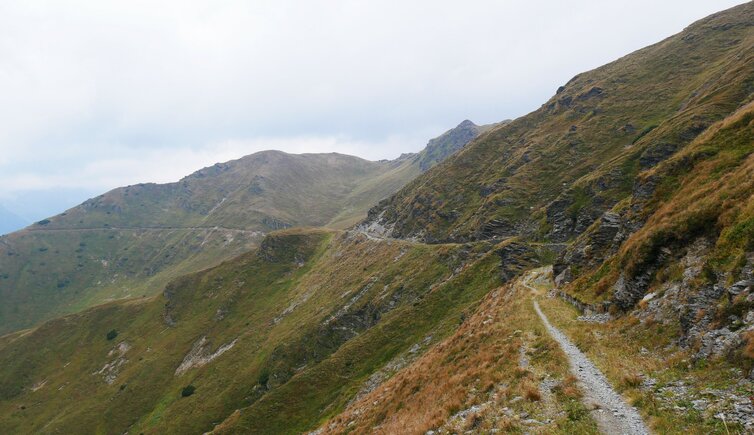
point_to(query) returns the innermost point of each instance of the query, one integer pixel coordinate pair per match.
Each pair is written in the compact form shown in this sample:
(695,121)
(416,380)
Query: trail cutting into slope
(612,414)
(86,229)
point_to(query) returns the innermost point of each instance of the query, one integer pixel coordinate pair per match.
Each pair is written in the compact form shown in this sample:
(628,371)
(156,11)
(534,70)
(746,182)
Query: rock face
(514,259)
(592,247)
(439,148)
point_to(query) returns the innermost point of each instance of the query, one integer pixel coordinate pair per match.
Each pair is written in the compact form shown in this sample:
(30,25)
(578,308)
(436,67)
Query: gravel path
(613,415)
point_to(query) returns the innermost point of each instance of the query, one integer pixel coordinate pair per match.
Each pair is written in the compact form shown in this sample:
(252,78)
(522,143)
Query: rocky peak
(466,124)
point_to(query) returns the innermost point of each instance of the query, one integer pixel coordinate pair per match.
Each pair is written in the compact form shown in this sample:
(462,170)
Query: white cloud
(106,93)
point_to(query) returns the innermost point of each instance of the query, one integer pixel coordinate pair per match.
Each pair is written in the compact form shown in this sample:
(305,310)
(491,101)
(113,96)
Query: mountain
(554,171)
(450,142)
(619,216)
(9,221)
(284,331)
(132,240)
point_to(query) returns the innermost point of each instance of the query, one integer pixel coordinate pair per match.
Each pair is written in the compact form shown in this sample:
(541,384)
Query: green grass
(276,303)
(583,151)
(131,241)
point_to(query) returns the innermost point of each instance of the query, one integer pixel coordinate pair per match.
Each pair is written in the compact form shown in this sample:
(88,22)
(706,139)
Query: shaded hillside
(553,172)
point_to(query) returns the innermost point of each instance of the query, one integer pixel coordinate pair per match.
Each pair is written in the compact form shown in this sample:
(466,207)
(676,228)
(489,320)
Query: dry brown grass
(748,349)
(569,387)
(443,377)
(477,363)
(632,380)
(531,393)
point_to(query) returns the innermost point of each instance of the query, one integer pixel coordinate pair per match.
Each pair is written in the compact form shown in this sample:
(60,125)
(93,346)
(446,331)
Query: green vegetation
(131,241)
(557,169)
(299,329)
(311,315)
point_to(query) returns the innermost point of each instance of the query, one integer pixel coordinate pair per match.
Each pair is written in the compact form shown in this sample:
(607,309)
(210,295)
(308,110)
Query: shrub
(188,390)
(43,222)
(264,377)
(112,334)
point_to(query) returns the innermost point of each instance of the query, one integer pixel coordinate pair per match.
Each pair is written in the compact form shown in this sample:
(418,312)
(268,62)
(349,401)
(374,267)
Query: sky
(99,94)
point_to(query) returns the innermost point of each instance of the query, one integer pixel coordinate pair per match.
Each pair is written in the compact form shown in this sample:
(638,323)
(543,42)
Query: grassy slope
(706,190)
(478,368)
(132,240)
(586,145)
(316,311)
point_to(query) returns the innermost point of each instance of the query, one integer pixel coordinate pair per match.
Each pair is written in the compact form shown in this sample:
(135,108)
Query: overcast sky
(98,94)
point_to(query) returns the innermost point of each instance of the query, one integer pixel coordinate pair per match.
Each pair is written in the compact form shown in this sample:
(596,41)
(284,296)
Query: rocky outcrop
(589,250)
(515,258)
(201,355)
(447,144)
(112,368)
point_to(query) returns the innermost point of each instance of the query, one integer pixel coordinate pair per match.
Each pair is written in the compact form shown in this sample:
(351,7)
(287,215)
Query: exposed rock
(514,259)
(595,318)
(201,355)
(656,153)
(111,369)
(496,228)
(564,277)
(718,342)
(591,93)
(740,287)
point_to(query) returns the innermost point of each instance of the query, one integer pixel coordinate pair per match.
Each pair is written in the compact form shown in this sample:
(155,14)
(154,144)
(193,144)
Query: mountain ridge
(132,240)
(622,211)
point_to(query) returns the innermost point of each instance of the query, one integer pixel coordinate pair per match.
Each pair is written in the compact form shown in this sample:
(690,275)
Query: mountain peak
(466,124)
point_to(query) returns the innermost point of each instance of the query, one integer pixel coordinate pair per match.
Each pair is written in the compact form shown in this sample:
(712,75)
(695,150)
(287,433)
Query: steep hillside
(641,172)
(287,334)
(635,181)
(450,142)
(553,172)
(132,240)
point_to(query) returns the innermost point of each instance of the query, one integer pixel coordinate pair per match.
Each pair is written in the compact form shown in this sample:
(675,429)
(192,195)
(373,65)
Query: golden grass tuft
(748,349)
(632,380)
(532,393)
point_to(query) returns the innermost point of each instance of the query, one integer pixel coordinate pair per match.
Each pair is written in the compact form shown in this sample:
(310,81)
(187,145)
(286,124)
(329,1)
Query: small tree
(188,390)
(112,334)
